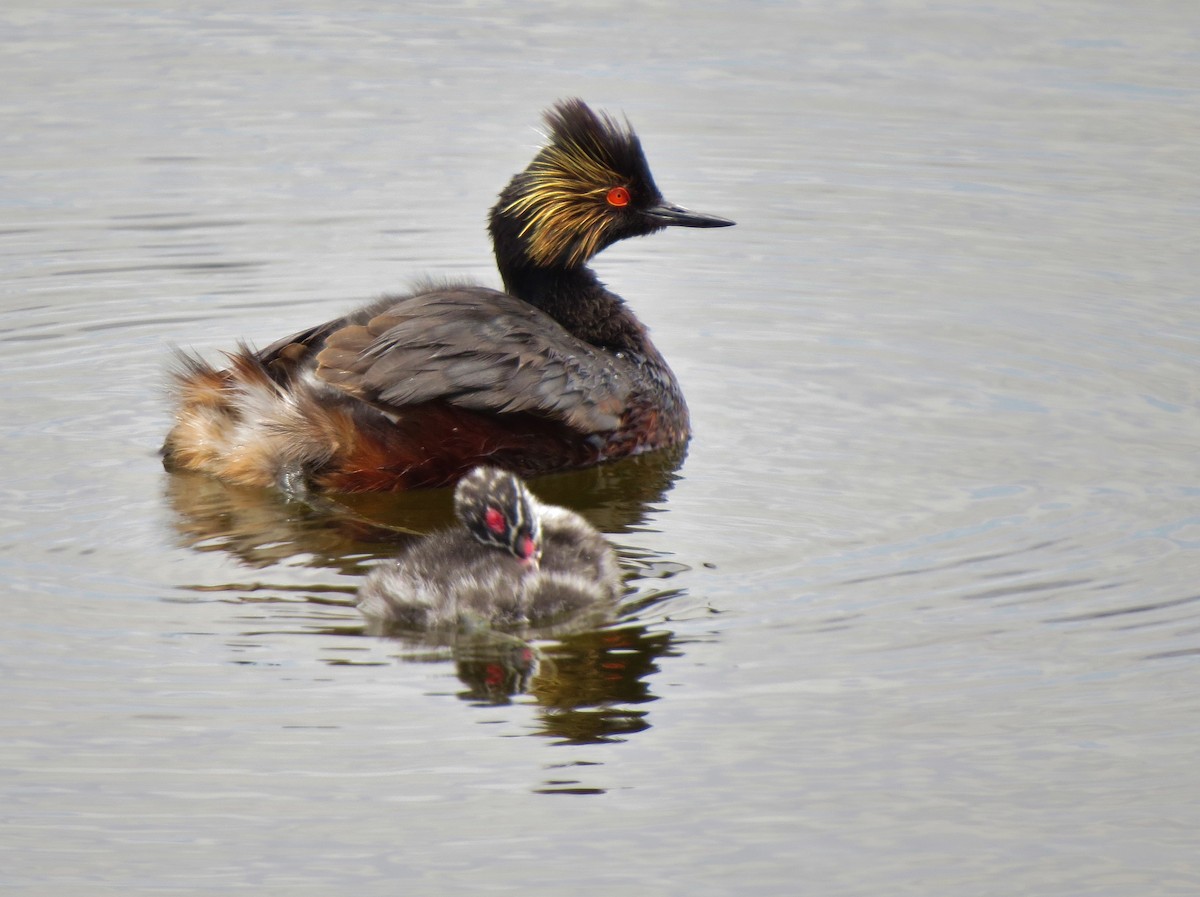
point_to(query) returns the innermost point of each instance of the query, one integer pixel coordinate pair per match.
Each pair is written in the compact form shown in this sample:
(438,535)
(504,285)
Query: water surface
(918,612)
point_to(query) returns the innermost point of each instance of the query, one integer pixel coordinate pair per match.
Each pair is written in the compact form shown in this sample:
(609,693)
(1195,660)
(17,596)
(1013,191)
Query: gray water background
(917,615)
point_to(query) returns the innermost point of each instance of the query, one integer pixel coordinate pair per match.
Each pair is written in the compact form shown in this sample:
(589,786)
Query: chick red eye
(527,547)
(494,520)
(618,196)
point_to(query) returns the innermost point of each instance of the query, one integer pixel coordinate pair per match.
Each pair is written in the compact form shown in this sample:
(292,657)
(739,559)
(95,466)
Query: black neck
(572,295)
(578,301)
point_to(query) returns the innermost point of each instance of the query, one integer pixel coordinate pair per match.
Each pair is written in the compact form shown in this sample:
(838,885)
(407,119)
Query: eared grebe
(413,391)
(510,562)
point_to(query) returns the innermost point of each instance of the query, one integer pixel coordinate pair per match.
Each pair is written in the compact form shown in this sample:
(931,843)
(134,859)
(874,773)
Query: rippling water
(918,612)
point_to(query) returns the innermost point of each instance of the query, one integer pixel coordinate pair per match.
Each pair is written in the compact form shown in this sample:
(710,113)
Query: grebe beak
(668,214)
(531,554)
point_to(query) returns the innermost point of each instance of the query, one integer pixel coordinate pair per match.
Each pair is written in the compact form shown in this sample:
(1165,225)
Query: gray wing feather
(481,350)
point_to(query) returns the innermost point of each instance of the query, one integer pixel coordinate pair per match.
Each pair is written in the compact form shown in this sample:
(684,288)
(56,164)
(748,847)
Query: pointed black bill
(666,214)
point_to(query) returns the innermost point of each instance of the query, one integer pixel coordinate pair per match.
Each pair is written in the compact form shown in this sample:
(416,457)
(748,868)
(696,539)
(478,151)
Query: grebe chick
(412,391)
(510,562)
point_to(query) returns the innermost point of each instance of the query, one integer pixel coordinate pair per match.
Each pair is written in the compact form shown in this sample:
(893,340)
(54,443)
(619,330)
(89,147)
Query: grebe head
(498,510)
(588,187)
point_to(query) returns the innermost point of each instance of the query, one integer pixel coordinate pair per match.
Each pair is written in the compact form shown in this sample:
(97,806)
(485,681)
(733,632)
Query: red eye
(494,520)
(618,196)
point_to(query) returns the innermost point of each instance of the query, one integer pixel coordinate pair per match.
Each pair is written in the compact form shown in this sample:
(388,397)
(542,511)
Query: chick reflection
(495,665)
(586,684)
